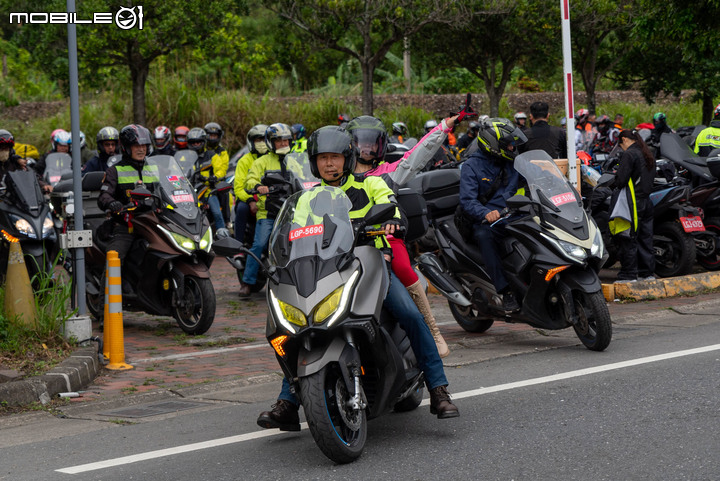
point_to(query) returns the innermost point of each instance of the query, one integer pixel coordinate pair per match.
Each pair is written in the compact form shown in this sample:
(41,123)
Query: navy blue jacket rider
(478,175)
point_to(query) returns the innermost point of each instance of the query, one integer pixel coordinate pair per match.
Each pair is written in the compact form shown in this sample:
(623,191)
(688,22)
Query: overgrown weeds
(35,347)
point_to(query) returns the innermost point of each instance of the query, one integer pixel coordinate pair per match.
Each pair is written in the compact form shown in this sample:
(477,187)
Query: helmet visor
(368,142)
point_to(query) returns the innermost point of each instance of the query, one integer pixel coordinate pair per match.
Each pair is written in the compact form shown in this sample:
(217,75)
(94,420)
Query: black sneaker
(283,416)
(509,303)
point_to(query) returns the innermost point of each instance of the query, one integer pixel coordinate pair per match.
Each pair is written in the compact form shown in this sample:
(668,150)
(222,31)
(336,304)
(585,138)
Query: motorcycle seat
(448,228)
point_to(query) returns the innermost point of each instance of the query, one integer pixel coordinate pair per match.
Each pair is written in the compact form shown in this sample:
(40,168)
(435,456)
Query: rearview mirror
(228,247)
(517,201)
(379,213)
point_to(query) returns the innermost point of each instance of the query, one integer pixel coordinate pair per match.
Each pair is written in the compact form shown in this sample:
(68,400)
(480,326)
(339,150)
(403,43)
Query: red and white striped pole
(568,81)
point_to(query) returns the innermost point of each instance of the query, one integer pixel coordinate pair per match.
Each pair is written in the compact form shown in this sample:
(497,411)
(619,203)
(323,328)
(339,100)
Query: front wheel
(469,319)
(338,430)
(594,327)
(676,256)
(195,313)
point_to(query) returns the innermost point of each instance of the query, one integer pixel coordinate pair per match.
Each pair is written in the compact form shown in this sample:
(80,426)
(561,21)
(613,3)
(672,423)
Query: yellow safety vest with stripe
(621,219)
(365,192)
(299,145)
(129,175)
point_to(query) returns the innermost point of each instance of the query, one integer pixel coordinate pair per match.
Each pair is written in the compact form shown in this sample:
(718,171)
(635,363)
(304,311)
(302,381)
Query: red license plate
(692,224)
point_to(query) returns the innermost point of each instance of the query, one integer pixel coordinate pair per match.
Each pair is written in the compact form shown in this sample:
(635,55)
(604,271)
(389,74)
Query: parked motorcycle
(167,270)
(551,255)
(25,218)
(346,358)
(58,166)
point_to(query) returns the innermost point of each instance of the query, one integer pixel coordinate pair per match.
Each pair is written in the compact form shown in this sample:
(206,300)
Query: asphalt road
(647,408)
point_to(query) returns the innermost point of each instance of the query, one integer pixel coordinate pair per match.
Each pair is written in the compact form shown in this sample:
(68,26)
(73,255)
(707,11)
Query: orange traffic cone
(19,297)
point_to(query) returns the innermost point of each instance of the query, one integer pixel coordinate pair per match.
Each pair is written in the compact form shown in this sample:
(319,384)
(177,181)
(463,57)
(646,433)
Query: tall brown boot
(418,296)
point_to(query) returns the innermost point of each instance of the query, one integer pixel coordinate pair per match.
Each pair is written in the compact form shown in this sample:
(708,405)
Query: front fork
(357,401)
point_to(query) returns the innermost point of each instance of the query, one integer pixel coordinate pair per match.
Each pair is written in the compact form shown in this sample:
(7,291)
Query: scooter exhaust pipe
(431,268)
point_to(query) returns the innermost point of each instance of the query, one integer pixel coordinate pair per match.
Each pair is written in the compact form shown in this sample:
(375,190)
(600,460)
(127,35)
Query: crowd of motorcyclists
(353,156)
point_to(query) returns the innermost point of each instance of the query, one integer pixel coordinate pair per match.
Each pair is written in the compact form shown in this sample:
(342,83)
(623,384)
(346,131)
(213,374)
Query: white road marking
(209,352)
(465,394)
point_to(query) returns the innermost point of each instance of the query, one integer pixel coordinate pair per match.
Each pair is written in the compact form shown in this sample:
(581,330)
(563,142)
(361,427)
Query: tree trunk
(368,69)
(591,99)
(707,108)
(139,73)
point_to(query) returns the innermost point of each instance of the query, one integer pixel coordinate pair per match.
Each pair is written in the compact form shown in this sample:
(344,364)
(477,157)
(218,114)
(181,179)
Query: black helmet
(399,128)
(298,131)
(256,132)
(367,132)
(275,132)
(213,128)
(497,134)
(335,140)
(196,139)
(659,119)
(134,134)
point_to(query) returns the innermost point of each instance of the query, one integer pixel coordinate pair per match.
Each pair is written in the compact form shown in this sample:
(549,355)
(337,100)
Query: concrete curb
(671,286)
(73,374)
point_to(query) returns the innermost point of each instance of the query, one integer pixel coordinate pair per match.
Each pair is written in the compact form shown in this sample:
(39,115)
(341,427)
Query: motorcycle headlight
(206,241)
(343,293)
(597,246)
(328,306)
(24,227)
(574,251)
(288,315)
(568,249)
(48,226)
(181,242)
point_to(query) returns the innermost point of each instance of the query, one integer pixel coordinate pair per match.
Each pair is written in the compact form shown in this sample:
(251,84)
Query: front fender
(585,280)
(338,351)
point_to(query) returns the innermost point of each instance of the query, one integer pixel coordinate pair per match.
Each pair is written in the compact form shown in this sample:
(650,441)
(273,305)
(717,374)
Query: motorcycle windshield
(171,185)
(186,160)
(313,222)
(675,148)
(299,162)
(57,164)
(24,190)
(547,185)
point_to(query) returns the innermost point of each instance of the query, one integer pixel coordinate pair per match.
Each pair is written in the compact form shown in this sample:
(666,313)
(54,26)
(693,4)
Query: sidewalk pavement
(164,359)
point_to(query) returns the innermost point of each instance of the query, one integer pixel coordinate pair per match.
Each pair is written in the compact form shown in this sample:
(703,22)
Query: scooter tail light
(551,272)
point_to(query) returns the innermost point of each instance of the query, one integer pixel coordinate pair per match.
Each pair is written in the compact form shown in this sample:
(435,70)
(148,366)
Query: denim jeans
(401,306)
(242,214)
(216,212)
(263,228)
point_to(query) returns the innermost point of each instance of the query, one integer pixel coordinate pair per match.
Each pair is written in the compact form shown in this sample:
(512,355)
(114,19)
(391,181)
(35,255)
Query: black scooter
(551,255)
(25,218)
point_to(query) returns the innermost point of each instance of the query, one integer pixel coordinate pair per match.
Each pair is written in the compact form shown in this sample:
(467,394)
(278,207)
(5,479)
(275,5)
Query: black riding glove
(115,206)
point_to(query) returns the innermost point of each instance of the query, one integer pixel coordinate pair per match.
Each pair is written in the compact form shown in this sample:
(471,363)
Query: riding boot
(418,296)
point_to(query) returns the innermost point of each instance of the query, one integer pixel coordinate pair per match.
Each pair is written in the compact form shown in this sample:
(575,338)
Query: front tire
(674,258)
(594,327)
(339,431)
(469,319)
(196,312)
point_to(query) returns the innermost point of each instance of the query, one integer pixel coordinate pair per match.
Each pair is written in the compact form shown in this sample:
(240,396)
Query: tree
(167,25)
(599,32)
(500,37)
(675,48)
(364,29)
